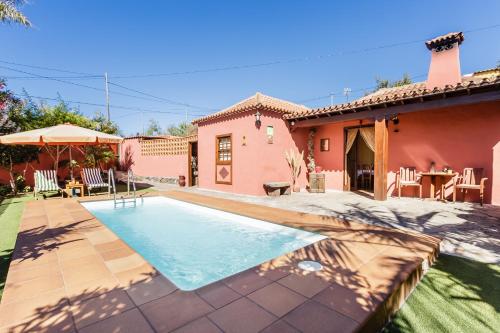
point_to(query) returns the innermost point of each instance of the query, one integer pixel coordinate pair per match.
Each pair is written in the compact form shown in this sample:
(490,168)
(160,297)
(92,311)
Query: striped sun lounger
(46,181)
(92,178)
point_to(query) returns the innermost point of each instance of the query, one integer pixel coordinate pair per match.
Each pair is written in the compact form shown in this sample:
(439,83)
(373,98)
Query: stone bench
(275,189)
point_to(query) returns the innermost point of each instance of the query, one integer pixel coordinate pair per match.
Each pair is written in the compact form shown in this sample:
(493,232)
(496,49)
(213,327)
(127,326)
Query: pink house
(450,121)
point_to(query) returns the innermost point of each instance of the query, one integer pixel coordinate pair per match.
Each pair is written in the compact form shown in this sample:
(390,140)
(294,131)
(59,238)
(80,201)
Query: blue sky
(151,37)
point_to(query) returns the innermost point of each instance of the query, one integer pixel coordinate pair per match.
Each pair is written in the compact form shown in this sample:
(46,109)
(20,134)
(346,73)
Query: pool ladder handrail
(111,184)
(130,179)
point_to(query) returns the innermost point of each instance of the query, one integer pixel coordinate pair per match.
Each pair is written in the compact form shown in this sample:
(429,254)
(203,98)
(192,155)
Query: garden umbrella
(60,135)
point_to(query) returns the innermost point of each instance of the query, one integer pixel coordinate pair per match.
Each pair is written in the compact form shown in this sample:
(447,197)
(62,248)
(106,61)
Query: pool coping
(279,273)
(311,238)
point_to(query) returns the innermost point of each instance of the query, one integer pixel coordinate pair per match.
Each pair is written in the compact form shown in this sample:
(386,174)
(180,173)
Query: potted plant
(294,160)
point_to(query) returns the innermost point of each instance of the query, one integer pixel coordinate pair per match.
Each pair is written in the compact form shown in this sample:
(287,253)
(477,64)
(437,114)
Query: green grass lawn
(456,295)
(10,216)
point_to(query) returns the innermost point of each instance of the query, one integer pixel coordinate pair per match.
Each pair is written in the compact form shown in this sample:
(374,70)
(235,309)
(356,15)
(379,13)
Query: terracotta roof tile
(449,38)
(254,102)
(402,93)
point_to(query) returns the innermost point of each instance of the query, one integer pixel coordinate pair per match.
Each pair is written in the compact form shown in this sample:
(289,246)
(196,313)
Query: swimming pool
(193,245)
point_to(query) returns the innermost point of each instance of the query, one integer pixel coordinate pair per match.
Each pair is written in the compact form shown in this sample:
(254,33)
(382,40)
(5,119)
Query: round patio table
(434,176)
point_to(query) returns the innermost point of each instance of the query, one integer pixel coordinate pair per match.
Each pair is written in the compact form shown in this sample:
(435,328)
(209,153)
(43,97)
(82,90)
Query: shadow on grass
(457,294)
(4,267)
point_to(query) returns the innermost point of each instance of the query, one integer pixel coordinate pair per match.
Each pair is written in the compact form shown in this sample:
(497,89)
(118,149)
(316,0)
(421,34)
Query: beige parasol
(65,134)
(60,135)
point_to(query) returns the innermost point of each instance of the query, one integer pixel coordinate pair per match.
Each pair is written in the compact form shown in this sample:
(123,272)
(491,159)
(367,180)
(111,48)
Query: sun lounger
(46,181)
(92,179)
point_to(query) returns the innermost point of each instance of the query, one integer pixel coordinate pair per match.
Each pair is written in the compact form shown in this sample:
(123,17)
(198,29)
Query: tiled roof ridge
(258,100)
(449,38)
(401,94)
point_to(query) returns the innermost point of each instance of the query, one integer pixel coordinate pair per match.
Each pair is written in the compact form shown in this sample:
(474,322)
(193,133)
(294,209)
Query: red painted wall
(254,163)
(154,166)
(45,162)
(458,137)
(332,161)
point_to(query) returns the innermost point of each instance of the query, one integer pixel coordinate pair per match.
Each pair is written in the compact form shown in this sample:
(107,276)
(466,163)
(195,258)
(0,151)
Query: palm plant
(294,160)
(9,12)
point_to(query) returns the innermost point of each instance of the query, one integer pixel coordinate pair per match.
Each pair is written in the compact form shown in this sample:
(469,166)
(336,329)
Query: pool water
(193,245)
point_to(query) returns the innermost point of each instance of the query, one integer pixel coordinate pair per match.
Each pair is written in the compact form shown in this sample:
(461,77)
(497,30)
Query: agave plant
(294,160)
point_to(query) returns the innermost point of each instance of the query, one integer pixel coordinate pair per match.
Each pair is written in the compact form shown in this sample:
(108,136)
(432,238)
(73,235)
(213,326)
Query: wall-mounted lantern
(257,119)
(395,120)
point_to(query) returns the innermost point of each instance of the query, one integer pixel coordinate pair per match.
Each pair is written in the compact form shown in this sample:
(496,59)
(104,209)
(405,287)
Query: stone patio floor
(70,273)
(467,229)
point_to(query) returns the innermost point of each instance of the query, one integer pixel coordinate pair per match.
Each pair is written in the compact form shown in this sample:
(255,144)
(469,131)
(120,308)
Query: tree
(183,129)
(61,113)
(390,84)
(15,117)
(9,12)
(18,115)
(154,128)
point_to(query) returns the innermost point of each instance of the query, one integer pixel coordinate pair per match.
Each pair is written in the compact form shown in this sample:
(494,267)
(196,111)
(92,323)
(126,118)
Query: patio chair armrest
(483,180)
(457,179)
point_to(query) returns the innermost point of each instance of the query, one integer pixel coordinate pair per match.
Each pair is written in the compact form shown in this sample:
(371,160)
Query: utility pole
(331,99)
(142,121)
(186,116)
(107,94)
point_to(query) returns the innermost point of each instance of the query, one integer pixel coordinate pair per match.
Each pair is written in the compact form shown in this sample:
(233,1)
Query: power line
(103,105)
(317,98)
(288,61)
(83,77)
(161,98)
(90,87)
(244,66)
(50,69)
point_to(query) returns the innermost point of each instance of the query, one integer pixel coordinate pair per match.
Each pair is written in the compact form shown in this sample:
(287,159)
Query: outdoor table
(434,176)
(70,186)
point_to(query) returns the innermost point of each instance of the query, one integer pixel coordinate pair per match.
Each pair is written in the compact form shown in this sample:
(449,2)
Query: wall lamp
(395,119)
(257,119)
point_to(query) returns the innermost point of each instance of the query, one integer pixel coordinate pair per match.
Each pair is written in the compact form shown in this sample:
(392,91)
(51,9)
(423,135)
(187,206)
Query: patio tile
(109,246)
(175,310)
(312,317)
(131,321)
(119,253)
(48,322)
(242,316)
(385,272)
(246,282)
(202,325)
(151,289)
(32,260)
(85,273)
(18,275)
(33,308)
(75,251)
(277,299)
(101,307)
(18,291)
(218,294)
(271,272)
(356,304)
(137,274)
(305,284)
(280,326)
(81,261)
(100,236)
(92,288)
(126,263)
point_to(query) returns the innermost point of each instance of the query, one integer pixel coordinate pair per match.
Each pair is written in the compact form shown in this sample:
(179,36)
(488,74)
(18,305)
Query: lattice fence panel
(166,146)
